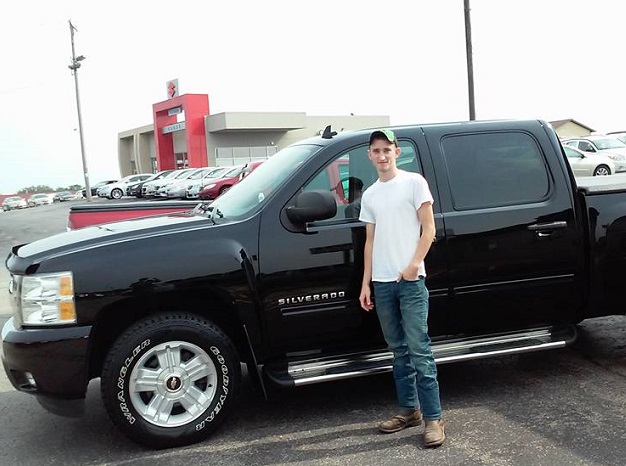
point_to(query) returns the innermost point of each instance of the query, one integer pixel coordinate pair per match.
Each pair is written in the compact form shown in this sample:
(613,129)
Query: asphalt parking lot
(562,407)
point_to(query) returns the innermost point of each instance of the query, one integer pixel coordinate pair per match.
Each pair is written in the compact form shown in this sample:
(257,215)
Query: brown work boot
(401,421)
(434,433)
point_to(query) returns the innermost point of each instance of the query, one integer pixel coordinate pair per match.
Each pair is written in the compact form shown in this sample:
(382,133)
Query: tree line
(44,188)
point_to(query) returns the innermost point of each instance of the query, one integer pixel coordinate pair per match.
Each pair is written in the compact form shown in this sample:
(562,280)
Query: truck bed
(82,215)
(601,184)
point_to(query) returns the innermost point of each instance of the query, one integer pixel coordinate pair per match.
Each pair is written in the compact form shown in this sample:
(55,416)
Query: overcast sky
(553,60)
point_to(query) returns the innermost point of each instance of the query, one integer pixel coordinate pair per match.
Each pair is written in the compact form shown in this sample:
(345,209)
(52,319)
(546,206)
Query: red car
(223,184)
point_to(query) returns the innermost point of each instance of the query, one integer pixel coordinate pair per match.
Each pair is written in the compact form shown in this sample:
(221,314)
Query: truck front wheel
(170,380)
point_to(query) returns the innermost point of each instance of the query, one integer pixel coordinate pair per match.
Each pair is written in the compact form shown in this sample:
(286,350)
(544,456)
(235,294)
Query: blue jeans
(402,310)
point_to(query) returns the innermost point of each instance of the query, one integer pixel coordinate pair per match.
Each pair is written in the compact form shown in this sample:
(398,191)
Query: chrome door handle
(547,226)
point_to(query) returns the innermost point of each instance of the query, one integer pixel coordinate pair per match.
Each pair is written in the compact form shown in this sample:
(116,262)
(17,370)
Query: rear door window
(498,169)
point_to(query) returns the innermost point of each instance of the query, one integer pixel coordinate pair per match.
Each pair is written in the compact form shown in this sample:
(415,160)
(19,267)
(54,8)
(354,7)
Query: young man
(400,229)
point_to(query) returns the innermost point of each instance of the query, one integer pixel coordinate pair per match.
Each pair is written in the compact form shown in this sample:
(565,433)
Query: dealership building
(185,134)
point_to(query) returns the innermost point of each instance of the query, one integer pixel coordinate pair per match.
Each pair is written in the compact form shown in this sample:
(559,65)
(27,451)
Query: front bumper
(51,363)
(175,194)
(619,166)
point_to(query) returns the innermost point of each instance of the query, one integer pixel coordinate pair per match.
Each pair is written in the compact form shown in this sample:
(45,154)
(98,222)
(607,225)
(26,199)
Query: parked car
(150,188)
(601,144)
(82,215)
(221,185)
(14,202)
(177,187)
(134,189)
(117,190)
(192,189)
(63,196)
(250,167)
(95,187)
(39,199)
(621,135)
(586,164)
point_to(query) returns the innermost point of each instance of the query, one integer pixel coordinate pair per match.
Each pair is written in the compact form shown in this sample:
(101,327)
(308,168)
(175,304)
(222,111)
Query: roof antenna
(328,134)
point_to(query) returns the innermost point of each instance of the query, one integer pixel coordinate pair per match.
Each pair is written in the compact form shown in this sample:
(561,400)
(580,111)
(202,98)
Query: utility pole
(470,62)
(74,67)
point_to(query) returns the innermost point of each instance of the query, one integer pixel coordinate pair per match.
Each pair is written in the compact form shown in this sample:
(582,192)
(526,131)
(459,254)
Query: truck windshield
(247,196)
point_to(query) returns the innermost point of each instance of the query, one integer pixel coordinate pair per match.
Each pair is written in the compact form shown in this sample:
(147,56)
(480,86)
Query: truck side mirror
(312,205)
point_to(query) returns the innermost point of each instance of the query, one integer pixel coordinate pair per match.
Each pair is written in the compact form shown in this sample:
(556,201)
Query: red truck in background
(84,215)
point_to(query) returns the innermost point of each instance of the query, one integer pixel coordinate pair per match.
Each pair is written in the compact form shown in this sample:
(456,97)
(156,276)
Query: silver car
(586,164)
(14,202)
(162,190)
(177,188)
(192,189)
(118,189)
(601,144)
(621,135)
(39,199)
(150,188)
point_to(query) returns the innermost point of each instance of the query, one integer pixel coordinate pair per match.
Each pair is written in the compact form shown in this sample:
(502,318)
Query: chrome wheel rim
(602,172)
(173,384)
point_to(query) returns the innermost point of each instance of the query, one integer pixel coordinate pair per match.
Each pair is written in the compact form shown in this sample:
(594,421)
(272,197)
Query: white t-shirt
(392,206)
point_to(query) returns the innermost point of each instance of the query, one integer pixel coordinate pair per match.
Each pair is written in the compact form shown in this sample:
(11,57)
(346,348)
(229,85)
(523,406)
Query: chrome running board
(344,366)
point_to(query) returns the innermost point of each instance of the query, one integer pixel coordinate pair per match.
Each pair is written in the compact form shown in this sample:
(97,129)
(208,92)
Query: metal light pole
(74,67)
(470,62)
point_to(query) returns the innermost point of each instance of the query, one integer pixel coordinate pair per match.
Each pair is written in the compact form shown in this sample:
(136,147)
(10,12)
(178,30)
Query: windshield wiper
(211,211)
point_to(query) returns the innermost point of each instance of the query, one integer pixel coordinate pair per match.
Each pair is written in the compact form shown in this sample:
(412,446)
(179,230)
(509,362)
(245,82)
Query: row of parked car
(596,154)
(204,183)
(19,202)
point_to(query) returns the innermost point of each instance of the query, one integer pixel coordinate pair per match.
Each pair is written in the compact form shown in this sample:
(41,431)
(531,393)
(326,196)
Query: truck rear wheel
(170,380)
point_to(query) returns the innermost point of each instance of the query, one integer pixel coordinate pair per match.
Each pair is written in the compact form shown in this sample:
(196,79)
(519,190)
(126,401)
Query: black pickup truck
(165,309)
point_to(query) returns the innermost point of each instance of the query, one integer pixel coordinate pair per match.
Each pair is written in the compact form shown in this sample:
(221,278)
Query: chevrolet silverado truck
(164,310)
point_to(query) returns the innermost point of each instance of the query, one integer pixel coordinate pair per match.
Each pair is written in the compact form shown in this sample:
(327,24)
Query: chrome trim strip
(489,286)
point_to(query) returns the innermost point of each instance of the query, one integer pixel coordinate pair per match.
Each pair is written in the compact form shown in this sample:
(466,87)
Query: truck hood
(107,233)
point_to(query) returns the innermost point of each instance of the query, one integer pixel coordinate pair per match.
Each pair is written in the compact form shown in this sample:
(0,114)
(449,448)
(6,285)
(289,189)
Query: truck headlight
(48,299)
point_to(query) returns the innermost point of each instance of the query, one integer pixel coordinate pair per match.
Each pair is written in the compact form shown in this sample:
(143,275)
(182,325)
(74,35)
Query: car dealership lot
(560,407)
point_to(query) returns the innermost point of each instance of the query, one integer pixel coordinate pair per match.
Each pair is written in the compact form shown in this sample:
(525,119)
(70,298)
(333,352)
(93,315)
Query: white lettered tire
(170,380)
